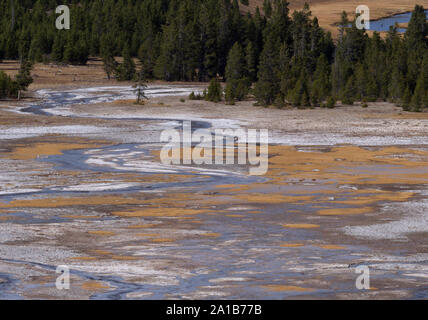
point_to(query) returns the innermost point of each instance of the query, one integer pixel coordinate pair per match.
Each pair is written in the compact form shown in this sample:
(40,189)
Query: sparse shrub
(331,102)
(8,87)
(279,101)
(347,100)
(371,99)
(197,96)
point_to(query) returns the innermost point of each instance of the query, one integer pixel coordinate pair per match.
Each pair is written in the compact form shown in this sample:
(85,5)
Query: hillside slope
(329,11)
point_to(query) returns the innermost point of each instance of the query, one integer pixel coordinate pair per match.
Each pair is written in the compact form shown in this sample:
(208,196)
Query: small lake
(385,23)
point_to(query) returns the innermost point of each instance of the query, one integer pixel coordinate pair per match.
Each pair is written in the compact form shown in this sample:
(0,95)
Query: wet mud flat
(82,185)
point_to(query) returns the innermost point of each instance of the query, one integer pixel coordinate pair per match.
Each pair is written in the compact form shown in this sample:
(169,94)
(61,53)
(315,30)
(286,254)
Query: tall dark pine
(23,79)
(267,86)
(126,70)
(109,63)
(141,86)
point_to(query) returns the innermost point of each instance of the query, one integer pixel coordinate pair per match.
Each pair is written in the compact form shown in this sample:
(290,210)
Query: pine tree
(267,87)
(57,54)
(280,23)
(23,79)
(214,93)
(321,81)
(360,77)
(236,68)
(110,65)
(424,81)
(405,103)
(396,85)
(349,91)
(372,89)
(8,88)
(417,30)
(287,75)
(349,52)
(1,51)
(68,56)
(76,50)
(126,70)
(267,8)
(146,55)
(229,94)
(251,60)
(141,86)
(418,99)
(208,36)
(36,48)
(236,74)
(331,102)
(299,96)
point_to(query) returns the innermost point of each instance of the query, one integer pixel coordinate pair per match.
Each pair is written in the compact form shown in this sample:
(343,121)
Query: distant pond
(385,23)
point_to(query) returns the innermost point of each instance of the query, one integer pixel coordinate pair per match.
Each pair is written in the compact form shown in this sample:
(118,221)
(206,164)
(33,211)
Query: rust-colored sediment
(344,211)
(94,286)
(301,226)
(292,245)
(281,288)
(46,149)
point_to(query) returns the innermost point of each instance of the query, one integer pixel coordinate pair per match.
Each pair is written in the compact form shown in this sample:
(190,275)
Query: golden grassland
(51,75)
